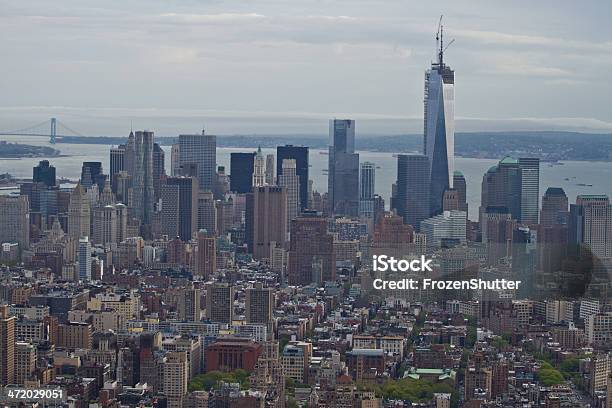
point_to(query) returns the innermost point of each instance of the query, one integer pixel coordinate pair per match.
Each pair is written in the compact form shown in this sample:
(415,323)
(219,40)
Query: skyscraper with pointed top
(439,126)
(259,169)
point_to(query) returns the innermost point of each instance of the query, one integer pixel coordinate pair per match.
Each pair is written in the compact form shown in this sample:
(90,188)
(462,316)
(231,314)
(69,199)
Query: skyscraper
(413,189)
(44,173)
(201,151)
(270,177)
(530,189)
(266,219)
(460,185)
(179,202)
(291,183)
(159,171)
(207,254)
(207,212)
(300,155)
(591,224)
(117,161)
(343,168)
(142,182)
(7,346)
(84,259)
(513,184)
(366,189)
(15,216)
(311,251)
(79,214)
(439,127)
(175,160)
(259,169)
(553,231)
(91,173)
(241,172)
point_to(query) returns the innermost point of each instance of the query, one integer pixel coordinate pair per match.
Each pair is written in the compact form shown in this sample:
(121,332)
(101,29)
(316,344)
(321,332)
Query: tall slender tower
(439,126)
(143,177)
(343,168)
(79,213)
(291,182)
(259,169)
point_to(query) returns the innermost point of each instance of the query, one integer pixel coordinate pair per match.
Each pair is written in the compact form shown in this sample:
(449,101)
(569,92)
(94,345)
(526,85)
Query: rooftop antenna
(439,37)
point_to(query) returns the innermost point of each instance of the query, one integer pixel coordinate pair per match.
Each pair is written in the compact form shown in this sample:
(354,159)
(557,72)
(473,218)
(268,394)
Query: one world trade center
(439,132)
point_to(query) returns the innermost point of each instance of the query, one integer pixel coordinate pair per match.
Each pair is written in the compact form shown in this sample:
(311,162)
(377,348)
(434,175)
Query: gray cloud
(276,59)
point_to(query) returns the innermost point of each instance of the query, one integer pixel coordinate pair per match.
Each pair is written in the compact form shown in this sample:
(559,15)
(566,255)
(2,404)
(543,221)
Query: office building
(460,186)
(513,184)
(176,378)
(91,174)
(446,229)
(84,259)
(311,251)
(290,181)
(300,155)
(270,176)
(413,189)
(220,302)
(179,197)
(439,131)
(7,346)
(266,219)
(591,224)
(44,173)
(259,169)
(15,215)
(79,213)
(206,258)
(189,305)
(553,230)
(117,161)
(207,212)
(259,304)
(241,172)
(367,178)
(142,179)
(343,169)
(530,189)
(200,150)
(159,171)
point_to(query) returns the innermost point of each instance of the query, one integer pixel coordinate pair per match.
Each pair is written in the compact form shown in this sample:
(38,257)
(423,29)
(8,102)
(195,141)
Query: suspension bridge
(51,128)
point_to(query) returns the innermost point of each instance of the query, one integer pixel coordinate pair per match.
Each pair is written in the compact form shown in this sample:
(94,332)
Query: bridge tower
(53,130)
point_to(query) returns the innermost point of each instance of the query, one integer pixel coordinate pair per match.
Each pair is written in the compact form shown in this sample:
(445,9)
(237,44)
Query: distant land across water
(547,145)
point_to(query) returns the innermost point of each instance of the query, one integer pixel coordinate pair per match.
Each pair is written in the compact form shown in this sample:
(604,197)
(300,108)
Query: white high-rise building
(259,169)
(448,226)
(200,151)
(439,126)
(84,259)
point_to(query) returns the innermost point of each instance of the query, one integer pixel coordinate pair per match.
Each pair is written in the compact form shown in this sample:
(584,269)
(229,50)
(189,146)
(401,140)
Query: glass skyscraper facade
(343,178)
(439,129)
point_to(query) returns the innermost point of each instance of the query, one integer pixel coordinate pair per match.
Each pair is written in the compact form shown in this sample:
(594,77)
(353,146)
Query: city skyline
(195,49)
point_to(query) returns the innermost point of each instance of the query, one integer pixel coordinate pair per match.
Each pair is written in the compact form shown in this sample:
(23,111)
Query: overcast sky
(286,66)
